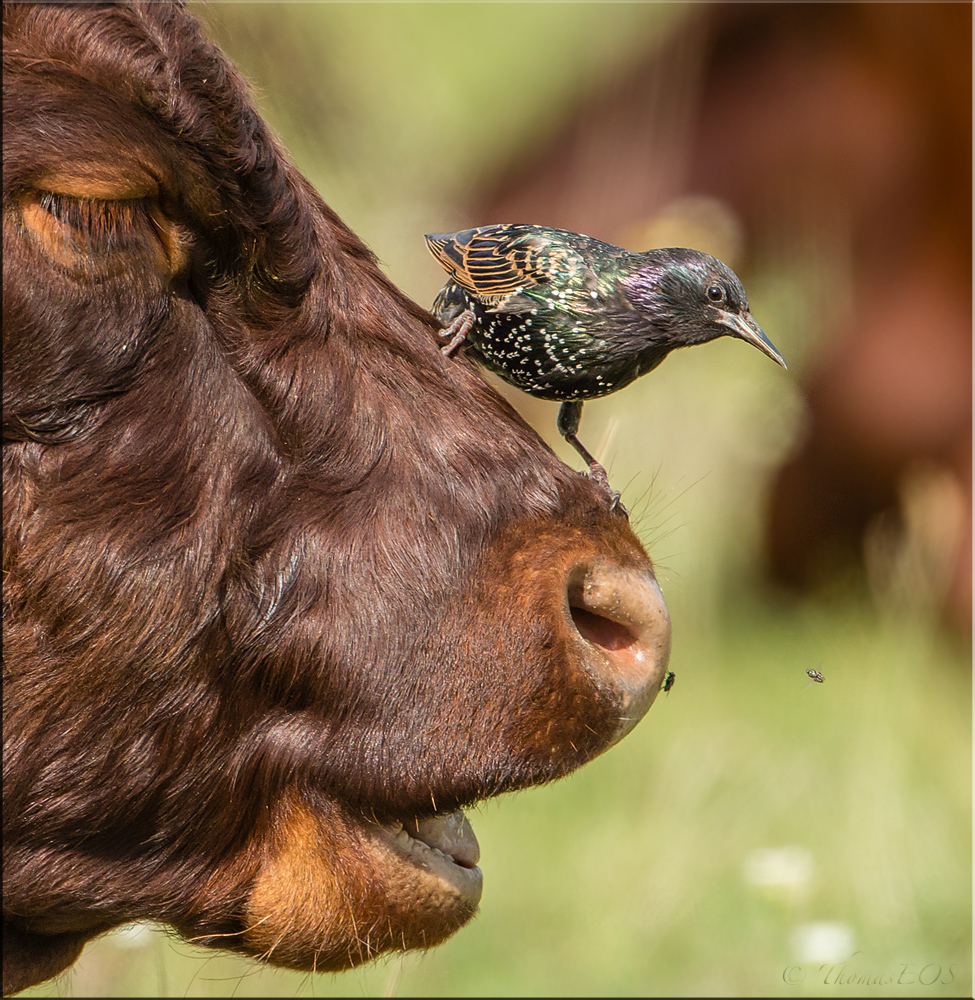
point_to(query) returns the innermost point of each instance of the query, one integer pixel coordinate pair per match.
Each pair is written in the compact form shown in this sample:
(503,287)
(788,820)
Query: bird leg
(570,413)
(457,331)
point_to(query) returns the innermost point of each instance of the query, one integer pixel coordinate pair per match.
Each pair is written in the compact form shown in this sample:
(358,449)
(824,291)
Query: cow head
(285,588)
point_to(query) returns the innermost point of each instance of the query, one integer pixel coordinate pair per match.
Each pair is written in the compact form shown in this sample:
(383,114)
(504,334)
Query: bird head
(691,297)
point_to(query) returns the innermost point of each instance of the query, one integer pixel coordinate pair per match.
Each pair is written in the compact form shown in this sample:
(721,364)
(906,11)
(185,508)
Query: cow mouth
(619,617)
(442,845)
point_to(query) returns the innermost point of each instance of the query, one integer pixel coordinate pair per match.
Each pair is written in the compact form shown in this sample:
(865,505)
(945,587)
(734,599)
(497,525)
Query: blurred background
(760,834)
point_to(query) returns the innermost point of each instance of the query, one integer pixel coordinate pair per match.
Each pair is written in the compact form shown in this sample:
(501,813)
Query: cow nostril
(601,631)
(621,619)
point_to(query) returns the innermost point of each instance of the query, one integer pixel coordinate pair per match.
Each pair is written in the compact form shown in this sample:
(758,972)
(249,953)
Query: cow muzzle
(622,633)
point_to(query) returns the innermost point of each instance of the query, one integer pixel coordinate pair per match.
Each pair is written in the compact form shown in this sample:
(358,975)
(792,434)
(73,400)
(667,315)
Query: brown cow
(285,588)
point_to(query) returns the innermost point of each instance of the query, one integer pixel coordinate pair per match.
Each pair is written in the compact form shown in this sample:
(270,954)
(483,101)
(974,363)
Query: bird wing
(495,263)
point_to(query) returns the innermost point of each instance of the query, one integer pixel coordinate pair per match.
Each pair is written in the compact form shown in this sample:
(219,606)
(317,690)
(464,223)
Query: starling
(563,316)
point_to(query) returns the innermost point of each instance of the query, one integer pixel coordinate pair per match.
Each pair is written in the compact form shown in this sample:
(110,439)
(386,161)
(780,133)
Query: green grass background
(628,877)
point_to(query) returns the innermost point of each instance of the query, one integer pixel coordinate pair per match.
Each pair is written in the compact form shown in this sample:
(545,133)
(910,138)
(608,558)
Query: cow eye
(93,224)
(103,236)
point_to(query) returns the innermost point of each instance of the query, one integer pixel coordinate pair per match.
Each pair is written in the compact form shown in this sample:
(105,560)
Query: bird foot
(598,475)
(615,504)
(457,332)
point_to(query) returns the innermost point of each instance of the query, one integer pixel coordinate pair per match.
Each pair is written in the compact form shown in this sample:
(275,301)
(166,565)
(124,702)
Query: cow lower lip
(444,845)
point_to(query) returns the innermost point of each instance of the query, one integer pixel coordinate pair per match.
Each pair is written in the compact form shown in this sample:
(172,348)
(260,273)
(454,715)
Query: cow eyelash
(98,224)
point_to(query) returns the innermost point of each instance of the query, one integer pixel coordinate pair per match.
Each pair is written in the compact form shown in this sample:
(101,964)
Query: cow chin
(333,891)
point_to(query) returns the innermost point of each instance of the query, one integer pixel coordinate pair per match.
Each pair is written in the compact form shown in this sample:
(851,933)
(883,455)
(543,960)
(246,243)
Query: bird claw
(457,332)
(615,504)
(598,475)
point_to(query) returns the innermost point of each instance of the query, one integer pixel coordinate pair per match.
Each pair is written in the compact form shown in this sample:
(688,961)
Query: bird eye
(715,293)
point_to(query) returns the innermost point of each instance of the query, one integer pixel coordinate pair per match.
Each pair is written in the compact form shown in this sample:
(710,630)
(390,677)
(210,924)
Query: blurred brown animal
(284,587)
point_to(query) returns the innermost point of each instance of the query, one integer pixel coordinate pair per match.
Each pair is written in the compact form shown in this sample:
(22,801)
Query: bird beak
(742,325)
